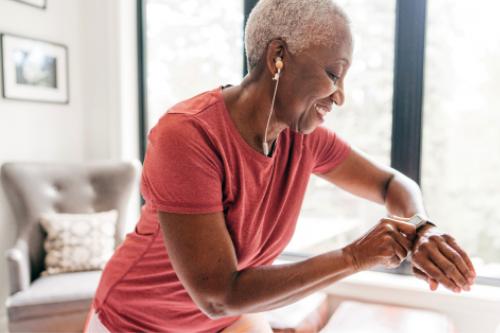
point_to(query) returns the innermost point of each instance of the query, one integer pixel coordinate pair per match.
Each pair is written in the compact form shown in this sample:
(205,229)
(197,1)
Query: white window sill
(474,311)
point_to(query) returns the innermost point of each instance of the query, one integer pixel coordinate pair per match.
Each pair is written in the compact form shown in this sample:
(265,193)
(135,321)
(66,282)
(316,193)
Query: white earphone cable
(264,144)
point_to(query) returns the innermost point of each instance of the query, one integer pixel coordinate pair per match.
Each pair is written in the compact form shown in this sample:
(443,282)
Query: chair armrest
(18,267)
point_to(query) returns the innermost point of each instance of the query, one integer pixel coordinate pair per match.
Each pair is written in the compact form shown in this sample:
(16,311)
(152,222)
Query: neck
(249,105)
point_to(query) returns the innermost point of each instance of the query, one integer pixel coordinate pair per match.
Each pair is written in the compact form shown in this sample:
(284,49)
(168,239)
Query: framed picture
(42,4)
(34,70)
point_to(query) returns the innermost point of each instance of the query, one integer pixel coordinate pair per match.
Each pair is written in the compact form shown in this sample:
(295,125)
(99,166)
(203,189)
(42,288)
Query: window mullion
(247,8)
(408,87)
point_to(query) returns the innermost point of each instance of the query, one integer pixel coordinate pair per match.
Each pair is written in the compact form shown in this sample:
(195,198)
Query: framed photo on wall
(34,70)
(42,4)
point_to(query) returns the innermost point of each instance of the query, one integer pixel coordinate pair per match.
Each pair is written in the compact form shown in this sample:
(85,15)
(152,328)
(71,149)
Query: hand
(437,258)
(387,244)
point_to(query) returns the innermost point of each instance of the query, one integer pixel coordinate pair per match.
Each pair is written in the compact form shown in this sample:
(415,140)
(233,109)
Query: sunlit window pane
(192,46)
(461,145)
(331,217)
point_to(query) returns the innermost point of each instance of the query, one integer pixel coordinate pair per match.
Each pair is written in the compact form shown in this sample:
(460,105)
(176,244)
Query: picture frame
(34,70)
(41,4)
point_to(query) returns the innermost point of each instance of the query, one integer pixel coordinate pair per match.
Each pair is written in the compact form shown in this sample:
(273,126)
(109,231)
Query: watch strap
(418,221)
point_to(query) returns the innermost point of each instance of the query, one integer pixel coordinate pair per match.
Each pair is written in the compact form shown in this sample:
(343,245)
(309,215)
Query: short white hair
(300,23)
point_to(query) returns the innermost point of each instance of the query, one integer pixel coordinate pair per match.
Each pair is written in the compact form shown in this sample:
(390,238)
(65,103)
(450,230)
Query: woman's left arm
(436,257)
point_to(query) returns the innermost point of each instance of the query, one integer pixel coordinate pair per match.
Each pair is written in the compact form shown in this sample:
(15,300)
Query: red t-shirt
(197,162)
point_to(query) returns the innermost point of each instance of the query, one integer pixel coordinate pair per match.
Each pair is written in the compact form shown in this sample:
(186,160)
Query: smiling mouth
(322,110)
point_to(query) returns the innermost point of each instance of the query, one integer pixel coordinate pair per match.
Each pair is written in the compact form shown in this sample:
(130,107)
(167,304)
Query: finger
(448,268)
(462,253)
(433,284)
(434,272)
(400,251)
(419,274)
(403,241)
(455,258)
(399,218)
(395,261)
(406,228)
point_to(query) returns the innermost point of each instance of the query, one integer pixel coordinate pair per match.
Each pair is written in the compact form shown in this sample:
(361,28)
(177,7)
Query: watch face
(417,221)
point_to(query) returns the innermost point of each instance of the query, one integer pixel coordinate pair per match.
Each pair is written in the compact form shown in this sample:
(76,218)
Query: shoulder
(196,104)
(327,148)
(176,127)
(323,136)
(185,121)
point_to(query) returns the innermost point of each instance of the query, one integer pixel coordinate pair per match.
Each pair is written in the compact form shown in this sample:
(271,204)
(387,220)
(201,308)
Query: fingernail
(466,288)
(457,290)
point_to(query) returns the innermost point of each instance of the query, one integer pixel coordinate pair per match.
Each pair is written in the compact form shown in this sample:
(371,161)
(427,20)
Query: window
(191,46)
(461,137)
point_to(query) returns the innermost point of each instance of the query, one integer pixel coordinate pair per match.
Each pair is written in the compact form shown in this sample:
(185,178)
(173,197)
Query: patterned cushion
(78,242)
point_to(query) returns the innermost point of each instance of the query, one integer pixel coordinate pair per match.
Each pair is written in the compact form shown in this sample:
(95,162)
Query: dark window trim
(408,87)
(141,76)
(142,81)
(247,8)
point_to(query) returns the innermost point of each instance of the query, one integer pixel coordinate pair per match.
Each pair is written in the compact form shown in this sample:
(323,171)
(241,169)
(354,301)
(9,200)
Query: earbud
(279,66)
(279,63)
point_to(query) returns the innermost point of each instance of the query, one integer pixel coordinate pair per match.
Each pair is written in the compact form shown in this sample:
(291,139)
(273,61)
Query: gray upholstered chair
(57,303)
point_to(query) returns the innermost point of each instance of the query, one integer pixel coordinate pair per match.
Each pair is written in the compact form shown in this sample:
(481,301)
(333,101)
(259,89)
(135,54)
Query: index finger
(462,253)
(402,226)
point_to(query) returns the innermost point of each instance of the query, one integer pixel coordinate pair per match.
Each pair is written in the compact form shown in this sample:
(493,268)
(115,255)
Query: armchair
(57,303)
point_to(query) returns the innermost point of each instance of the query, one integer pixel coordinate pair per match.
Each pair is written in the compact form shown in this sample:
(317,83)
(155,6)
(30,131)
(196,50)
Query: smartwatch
(418,221)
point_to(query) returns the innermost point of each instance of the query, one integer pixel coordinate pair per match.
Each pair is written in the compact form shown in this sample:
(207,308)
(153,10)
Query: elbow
(217,301)
(219,307)
(214,309)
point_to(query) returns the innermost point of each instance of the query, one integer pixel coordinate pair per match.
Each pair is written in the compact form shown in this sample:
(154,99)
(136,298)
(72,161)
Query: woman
(224,177)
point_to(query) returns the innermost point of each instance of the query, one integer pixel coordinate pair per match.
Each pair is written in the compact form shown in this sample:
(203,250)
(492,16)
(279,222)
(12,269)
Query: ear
(276,48)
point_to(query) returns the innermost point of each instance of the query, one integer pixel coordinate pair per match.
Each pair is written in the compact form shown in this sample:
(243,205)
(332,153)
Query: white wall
(110,63)
(100,121)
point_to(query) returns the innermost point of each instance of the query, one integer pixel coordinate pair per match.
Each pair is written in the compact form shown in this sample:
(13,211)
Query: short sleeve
(181,172)
(328,149)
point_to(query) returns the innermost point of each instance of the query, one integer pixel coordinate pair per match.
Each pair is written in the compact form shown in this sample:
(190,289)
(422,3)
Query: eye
(333,77)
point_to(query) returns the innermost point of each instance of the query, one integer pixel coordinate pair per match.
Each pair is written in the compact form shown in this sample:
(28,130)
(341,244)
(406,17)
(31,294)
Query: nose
(337,96)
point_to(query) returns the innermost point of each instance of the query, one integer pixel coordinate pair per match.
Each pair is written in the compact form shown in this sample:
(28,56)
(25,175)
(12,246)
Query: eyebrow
(344,60)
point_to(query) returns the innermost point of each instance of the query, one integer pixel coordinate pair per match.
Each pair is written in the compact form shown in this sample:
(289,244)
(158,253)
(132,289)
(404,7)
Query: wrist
(423,233)
(351,259)
(425,228)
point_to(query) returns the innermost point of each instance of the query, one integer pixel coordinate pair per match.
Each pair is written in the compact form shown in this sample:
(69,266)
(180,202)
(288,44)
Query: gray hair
(300,23)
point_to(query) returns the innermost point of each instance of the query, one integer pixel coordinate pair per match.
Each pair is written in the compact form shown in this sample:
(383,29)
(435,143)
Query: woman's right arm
(203,256)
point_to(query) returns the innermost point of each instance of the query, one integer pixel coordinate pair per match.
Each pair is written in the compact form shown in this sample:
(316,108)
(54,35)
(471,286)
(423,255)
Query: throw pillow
(78,242)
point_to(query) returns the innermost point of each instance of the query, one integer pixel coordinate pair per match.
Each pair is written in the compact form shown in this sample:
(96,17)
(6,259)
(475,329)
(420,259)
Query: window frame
(141,77)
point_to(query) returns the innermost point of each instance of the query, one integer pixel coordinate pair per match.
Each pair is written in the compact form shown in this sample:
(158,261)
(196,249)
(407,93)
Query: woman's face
(311,82)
